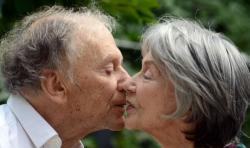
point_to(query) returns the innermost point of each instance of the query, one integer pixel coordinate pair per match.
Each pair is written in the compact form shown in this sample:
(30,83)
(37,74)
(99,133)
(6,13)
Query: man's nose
(127,85)
(124,75)
(130,84)
(123,79)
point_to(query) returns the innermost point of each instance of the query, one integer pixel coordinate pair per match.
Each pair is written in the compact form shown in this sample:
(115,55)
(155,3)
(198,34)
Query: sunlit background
(231,17)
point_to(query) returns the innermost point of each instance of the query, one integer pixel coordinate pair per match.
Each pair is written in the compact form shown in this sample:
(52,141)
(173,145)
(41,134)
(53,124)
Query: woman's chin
(129,127)
(130,123)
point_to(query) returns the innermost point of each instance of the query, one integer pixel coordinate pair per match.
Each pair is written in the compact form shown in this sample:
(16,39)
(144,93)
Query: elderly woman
(192,88)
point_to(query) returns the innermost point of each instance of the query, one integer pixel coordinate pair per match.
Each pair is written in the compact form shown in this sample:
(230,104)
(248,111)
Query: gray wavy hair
(210,76)
(43,40)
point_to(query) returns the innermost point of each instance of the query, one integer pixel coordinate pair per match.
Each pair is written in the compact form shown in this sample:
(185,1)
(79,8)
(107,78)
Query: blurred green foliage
(230,17)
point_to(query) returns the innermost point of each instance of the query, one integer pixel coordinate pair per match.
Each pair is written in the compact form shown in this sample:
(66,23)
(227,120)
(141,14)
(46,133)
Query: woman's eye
(147,75)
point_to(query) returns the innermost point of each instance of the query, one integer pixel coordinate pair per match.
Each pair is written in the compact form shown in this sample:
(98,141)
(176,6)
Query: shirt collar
(38,130)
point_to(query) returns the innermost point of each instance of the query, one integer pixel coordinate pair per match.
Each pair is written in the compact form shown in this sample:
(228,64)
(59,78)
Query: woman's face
(150,96)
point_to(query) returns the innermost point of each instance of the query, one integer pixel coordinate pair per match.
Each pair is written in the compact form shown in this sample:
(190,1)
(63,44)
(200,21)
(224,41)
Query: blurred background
(231,17)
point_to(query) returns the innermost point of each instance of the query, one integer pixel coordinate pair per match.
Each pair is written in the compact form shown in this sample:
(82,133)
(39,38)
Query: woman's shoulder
(240,145)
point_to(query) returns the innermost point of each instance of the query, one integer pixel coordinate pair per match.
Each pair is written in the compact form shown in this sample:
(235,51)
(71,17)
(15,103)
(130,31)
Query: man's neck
(58,119)
(71,144)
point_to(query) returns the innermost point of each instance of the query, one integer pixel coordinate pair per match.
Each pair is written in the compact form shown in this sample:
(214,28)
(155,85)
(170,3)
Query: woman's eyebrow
(152,63)
(149,62)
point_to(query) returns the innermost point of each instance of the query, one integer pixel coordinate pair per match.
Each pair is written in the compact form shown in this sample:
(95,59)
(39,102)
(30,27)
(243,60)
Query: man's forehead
(89,23)
(107,54)
(94,39)
(93,34)
(103,52)
(113,56)
(96,42)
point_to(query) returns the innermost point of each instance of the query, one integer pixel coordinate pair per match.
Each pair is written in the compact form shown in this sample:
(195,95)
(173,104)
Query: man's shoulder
(7,118)
(7,126)
(11,133)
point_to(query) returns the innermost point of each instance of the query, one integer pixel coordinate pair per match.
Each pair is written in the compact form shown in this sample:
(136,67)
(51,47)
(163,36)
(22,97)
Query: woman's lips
(129,107)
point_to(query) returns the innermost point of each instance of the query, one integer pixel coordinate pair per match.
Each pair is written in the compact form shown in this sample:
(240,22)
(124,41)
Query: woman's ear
(53,86)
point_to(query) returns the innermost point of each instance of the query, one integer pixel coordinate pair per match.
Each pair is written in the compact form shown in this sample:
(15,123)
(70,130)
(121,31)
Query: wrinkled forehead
(90,33)
(89,27)
(95,42)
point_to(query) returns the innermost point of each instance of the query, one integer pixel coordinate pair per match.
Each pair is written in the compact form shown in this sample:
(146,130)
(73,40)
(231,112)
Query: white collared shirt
(21,126)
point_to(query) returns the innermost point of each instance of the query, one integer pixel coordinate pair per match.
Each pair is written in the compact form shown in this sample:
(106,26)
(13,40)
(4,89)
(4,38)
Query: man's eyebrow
(108,58)
(112,58)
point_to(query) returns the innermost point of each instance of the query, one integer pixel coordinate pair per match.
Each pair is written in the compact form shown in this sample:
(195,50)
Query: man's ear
(52,85)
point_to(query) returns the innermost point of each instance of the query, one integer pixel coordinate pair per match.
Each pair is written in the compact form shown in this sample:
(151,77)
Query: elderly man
(64,73)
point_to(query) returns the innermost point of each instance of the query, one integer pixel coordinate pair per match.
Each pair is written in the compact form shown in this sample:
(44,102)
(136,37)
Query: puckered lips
(120,103)
(120,100)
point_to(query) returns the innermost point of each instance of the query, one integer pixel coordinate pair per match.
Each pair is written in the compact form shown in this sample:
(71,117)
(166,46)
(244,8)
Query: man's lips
(120,103)
(119,107)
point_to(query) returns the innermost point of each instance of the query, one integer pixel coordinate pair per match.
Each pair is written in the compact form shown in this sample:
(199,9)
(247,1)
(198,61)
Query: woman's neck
(171,135)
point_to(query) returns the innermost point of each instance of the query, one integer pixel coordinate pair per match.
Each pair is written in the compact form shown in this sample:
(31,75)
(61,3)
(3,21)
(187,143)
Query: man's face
(95,97)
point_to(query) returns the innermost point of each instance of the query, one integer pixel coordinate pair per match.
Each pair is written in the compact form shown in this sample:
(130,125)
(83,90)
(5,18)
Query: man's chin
(117,125)
(116,119)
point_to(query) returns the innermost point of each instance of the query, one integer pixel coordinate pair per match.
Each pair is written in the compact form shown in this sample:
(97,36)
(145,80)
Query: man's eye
(109,69)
